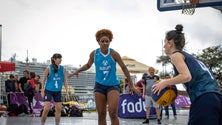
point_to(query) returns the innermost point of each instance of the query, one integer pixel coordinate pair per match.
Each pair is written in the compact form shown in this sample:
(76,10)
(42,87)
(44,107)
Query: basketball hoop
(188,6)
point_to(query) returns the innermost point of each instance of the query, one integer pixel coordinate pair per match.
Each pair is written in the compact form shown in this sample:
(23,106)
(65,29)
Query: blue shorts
(57,96)
(206,110)
(105,89)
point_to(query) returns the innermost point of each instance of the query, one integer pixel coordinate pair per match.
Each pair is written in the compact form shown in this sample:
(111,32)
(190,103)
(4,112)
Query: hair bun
(179,28)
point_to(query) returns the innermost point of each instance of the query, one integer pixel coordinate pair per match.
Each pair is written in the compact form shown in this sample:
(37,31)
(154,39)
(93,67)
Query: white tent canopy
(132,65)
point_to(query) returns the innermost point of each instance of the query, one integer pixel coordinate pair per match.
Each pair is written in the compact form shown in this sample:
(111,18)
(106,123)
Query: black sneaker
(158,121)
(175,117)
(167,117)
(146,121)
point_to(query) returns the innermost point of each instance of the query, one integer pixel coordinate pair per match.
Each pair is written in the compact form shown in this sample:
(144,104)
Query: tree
(164,60)
(212,57)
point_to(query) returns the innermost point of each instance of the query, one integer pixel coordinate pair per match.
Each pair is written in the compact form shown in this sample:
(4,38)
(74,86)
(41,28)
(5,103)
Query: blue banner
(133,106)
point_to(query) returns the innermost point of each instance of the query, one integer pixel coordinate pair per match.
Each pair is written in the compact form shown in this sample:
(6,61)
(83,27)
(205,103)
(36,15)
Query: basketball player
(107,85)
(201,85)
(53,80)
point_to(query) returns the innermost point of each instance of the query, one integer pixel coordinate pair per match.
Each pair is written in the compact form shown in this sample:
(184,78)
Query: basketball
(166,97)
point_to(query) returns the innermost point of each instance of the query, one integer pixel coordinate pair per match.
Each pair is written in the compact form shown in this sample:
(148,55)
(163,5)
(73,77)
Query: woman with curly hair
(200,84)
(107,85)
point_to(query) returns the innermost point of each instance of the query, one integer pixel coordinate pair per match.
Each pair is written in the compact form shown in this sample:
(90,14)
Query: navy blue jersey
(202,80)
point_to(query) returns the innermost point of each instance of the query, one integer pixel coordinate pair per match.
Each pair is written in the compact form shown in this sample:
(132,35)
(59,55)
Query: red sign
(7,66)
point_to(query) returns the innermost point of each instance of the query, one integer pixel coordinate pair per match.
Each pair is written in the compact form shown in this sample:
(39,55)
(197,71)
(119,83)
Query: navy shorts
(105,89)
(206,110)
(57,96)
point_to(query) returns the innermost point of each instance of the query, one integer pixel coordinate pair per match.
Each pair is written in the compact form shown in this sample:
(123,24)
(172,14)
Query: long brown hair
(55,56)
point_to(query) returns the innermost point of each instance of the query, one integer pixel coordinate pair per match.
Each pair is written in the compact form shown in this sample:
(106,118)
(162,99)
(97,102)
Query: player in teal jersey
(53,80)
(107,84)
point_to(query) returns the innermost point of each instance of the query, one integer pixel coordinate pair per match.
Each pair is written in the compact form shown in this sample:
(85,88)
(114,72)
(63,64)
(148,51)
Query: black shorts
(57,96)
(206,110)
(105,89)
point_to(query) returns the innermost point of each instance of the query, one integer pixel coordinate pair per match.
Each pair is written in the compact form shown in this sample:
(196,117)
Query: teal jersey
(55,81)
(202,80)
(105,68)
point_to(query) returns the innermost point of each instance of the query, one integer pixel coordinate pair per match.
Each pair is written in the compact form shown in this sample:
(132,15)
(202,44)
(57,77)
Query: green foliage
(164,60)
(212,57)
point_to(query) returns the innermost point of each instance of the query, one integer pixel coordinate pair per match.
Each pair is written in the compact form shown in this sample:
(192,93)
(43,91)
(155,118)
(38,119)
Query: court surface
(91,119)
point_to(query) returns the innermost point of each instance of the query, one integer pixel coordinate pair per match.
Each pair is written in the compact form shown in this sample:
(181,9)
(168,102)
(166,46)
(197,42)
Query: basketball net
(188,6)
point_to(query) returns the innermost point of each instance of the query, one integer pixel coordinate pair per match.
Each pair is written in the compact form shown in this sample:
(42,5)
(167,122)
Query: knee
(46,110)
(112,114)
(58,110)
(102,115)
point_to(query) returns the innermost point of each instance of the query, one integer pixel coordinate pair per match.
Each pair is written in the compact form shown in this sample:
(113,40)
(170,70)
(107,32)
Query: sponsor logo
(133,107)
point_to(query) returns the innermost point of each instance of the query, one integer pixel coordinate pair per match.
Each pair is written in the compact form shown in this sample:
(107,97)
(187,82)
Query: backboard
(168,5)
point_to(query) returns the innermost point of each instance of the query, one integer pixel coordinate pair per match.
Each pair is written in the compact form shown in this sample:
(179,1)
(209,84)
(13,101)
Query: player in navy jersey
(107,86)
(201,85)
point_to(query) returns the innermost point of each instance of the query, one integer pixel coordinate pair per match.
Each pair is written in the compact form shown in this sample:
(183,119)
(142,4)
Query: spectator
(30,93)
(23,80)
(10,84)
(139,85)
(37,84)
(9,87)
(149,81)
(127,89)
(172,105)
(16,79)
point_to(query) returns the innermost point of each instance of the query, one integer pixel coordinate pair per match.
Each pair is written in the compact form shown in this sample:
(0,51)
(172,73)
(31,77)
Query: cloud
(44,27)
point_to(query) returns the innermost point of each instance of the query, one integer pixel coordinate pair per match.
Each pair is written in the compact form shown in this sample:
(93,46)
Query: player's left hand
(136,90)
(158,87)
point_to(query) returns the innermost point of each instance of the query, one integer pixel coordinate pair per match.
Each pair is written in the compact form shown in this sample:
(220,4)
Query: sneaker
(167,117)
(158,121)
(175,117)
(146,121)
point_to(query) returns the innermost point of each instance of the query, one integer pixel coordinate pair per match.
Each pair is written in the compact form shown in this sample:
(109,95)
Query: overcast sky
(44,27)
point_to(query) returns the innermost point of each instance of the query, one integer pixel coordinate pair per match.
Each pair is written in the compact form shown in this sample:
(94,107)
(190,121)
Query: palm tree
(164,60)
